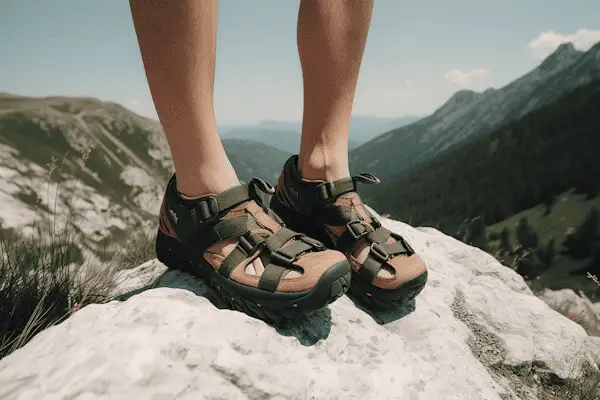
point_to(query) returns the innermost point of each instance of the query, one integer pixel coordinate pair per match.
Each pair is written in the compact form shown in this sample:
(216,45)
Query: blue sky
(417,54)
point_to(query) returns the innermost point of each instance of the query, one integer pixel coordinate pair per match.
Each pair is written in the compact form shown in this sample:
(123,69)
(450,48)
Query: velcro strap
(330,190)
(232,228)
(336,215)
(282,236)
(379,235)
(292,251)
(233,197)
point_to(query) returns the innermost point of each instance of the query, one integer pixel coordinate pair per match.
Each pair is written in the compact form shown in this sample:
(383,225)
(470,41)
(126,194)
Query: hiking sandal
(386,271)
(218,238)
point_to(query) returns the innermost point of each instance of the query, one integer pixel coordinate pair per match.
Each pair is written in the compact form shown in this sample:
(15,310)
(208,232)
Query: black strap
(234,227)
(247,245)
(381,251)
(232,260)
(269,279)
(282,236)
(336,215)
(369,268)
(330,190)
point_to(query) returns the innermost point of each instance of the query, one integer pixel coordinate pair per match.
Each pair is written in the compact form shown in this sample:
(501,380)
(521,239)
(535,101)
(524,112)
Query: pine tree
(505,240)
(476,234)
(526,236)
(579,244)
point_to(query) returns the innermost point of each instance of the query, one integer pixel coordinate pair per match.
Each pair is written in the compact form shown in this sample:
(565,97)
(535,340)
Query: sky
(418,53)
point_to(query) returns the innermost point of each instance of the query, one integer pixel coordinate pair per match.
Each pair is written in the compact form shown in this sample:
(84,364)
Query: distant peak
(595,49)
(567,47)
(464,95)
(563,56)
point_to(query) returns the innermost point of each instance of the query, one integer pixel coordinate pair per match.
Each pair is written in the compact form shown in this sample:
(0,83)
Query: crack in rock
(526,381)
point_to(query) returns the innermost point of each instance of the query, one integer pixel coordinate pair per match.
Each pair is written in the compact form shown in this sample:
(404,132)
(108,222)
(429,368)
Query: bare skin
(331,42)
(178,45)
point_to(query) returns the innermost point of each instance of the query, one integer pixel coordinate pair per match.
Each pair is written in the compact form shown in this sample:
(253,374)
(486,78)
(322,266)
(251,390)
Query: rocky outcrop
(475,332)
(574,306)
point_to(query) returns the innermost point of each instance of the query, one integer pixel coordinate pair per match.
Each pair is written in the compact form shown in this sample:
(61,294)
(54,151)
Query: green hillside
(526,162)
(543,166)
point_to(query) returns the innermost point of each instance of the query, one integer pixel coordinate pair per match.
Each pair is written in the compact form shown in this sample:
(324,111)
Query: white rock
(578,308)
(474,324)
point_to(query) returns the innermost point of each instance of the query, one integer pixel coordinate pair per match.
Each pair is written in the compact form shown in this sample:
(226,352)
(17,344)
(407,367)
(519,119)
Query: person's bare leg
(178,44)
(331,42)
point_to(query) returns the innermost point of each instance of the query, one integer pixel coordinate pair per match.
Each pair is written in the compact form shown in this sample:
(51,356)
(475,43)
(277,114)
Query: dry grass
(44,277)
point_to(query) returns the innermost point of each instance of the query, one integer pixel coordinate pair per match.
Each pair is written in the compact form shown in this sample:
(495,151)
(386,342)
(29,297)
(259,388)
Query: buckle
(379,252)
(360,232)
(207,208)
(281,258)
(246,244)
(325,191)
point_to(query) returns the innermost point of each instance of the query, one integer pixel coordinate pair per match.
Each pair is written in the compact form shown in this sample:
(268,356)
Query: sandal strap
(380,252)
(306,200)
(279,259)
(189,215)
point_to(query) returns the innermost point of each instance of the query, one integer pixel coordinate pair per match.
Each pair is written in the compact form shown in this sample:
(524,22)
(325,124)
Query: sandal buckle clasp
(379,252)
(281,258)
(358,229)
(326,191)
(207,208)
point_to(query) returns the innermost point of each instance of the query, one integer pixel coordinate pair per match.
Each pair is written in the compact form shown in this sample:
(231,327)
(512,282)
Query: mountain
(468,114)
(250,159)
(285,135)
(117,188)
(121,183)
(286,141)
(524,163)
(529,192)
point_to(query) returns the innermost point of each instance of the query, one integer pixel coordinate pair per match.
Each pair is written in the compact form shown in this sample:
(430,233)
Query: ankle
(207,181)
(325,166)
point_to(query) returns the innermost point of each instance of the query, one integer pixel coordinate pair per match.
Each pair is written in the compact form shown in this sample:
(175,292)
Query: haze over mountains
(285,135)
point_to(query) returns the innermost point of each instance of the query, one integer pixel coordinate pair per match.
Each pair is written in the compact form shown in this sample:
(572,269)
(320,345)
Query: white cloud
(548,41)
(467,78)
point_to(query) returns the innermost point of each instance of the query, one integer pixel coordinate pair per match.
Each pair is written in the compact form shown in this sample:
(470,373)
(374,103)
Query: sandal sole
(370,295)
(271,307)
(376,297)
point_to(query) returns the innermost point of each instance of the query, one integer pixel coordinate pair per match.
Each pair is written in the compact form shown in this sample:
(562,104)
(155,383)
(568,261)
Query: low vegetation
(45,276)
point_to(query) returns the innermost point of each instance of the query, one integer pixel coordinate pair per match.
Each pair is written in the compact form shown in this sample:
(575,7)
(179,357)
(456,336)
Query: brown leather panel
(314,265)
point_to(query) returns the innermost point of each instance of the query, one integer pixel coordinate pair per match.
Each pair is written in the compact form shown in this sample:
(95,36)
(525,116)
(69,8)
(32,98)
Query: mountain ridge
(478,113)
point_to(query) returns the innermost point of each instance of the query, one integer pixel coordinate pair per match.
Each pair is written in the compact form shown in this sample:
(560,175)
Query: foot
(241,249)
(386,270)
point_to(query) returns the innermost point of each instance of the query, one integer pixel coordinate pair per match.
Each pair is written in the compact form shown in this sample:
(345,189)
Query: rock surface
(573,306)
(476,332)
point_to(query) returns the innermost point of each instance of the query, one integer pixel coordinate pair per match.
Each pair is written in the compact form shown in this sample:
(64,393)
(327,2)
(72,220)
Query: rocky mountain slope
(475,332)
(468,114)
(119,186)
